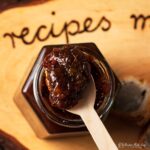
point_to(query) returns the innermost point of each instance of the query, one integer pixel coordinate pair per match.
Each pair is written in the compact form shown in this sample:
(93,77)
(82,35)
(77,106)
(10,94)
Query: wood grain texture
(7,4)
(126,49)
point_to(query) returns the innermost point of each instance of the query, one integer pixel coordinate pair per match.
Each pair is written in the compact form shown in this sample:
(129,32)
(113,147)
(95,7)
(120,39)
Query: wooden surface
(126,49)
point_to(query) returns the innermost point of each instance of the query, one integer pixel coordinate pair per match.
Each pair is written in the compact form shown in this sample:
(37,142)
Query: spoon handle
(97,130)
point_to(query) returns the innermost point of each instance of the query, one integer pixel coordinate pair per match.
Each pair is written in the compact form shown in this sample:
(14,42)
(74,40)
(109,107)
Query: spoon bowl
(87,98)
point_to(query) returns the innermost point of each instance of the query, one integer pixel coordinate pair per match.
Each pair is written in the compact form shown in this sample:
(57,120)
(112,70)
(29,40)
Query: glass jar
(58,122)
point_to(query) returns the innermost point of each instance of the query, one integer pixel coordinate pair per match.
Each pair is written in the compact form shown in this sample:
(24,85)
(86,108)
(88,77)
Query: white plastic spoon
(85,109)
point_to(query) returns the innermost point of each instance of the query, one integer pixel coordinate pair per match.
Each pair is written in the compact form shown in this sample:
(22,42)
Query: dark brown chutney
(102,82)
(67,73)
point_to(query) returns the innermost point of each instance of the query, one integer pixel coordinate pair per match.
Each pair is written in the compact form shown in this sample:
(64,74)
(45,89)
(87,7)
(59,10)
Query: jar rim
(75,123)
